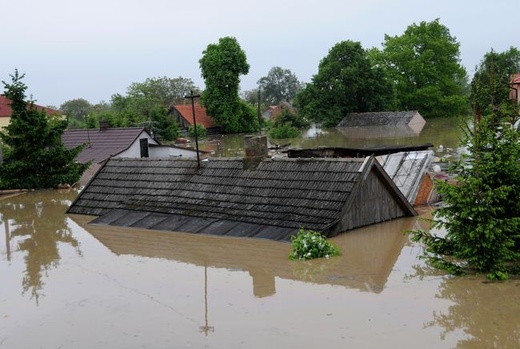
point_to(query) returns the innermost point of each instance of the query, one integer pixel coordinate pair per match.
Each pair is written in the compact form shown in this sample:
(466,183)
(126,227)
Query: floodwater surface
(441,131)
(67,284)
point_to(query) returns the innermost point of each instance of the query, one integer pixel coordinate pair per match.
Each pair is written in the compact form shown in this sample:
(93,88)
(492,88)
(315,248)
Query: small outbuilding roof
(387,118)
(102,143)
(224,197)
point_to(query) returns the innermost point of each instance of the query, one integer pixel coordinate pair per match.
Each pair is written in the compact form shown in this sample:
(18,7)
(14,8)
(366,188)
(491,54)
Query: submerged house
(382,124)
(273,111)
(227,196)
(183,115)
(408,166)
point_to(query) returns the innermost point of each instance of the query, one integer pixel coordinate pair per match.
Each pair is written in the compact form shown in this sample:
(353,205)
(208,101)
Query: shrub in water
(308,244)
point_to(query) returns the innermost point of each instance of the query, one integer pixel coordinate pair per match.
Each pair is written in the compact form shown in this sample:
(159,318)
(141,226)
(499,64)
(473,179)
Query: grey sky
(94,49)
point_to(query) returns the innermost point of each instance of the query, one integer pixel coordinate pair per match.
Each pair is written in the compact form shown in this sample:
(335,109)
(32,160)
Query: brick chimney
(104,125)
(255,149)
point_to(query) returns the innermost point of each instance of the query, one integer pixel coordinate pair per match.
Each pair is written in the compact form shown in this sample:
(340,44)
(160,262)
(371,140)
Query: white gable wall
(134,151)
(168,152)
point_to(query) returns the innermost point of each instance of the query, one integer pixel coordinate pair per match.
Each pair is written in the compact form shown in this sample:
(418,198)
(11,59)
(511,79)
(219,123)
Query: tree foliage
(346,82)
(144,105)
(490,84)
(287,116)
(164,91)
(221,66)
(481,213)
(424,65)
(278,86)
(35,157)
(76,111)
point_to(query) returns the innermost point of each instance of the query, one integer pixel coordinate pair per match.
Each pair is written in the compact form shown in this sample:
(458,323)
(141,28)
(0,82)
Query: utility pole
(192,97)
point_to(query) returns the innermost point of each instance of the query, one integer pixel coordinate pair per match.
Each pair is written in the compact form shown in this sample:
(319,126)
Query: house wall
(372,203)
(134,151)
(4,121)
(417,119)
(167,152)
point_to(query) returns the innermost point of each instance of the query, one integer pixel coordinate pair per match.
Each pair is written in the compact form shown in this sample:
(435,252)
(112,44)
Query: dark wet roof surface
(173,194)
(381,119)
(102,143)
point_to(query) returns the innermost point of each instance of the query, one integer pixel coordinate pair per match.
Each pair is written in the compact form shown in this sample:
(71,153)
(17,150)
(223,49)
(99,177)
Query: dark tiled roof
(6,111)
(221,197)
(381,119)
(103,142)
(201,116)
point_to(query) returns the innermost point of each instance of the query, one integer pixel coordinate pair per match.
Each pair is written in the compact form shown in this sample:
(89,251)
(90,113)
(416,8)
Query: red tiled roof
(515,79)
(6,111)
(103,143)
(200,115)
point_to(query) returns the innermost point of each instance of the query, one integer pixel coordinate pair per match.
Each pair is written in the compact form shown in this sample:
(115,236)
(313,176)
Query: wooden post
(192,97)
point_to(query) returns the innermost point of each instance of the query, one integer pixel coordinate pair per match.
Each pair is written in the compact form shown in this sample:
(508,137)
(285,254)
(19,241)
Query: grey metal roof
(221,197)
(389,118)
(407,170)
(103,143)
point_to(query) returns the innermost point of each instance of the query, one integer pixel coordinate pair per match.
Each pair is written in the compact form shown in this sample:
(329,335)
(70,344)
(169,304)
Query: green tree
(490,84)
(291,117)
(481,214)
(346,82)
(76,111)
(163,90)
(250,96)
(279,85)
(221,66)
(425,67)
(35,157)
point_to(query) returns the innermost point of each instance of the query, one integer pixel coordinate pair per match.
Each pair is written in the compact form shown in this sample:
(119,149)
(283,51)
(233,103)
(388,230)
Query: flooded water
(445,132)
(67,284)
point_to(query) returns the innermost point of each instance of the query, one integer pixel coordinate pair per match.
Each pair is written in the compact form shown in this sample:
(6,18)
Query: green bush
(308,244)
(201,131)
(284,131)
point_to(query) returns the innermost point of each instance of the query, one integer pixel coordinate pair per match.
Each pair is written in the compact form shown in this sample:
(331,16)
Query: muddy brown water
(67,284)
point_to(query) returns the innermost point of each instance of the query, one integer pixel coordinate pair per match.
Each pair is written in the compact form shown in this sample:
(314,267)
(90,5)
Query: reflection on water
(446,132)
(487,312)
(35,225)
(368,254)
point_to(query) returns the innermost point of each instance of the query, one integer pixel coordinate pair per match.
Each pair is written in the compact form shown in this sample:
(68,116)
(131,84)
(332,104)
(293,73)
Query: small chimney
(256,150)
(104,125)
(255,146)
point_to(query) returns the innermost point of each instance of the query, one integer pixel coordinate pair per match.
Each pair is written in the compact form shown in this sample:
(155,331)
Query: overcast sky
(94,49)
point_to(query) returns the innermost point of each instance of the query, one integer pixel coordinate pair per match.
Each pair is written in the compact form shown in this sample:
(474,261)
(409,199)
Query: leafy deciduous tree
(163,90)
(35,157)
(346,82)
(76,111)
(490,84)
(424,65)
(279,85)
(221,66)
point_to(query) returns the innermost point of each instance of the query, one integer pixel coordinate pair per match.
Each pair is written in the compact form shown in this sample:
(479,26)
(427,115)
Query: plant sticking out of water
(308,244)
(481,214)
